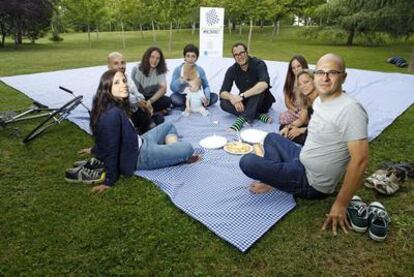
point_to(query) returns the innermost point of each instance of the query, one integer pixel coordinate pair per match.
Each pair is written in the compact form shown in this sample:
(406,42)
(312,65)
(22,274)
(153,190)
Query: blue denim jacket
(177,87)
(116,144)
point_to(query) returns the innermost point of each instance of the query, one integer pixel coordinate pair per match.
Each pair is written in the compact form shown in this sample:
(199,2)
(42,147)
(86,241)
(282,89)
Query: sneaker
(358,214)
(85,175)
(92,163)
(378,220)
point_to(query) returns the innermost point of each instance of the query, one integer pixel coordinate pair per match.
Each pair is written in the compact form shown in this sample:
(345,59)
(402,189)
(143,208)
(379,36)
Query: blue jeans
(280,167)
(178,100)
(155,154)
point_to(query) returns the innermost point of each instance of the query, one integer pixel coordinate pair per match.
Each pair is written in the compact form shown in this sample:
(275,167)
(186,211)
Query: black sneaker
(85,175)
(358,214)
(378,221)
(92,163)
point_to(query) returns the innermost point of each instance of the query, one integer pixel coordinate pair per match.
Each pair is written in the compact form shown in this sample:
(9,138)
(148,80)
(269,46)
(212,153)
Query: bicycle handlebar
(65,89)
(73,94)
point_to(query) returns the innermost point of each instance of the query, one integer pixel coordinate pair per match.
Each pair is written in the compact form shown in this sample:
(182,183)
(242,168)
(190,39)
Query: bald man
(336,145)
(141,110)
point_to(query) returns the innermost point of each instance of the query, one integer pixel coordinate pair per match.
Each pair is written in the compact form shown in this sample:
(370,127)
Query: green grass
(48,227)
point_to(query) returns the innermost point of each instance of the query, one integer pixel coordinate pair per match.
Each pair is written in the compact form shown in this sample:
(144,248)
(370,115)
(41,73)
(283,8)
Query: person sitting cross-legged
(252,79)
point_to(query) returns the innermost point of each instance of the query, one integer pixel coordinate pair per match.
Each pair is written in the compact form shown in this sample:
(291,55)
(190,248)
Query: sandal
(382,183)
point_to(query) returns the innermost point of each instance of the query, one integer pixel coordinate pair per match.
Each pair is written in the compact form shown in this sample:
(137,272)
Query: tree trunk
(233,26)
(274,28)
(142,32)
(89,35)
(411,66)
(250,35)
(19,35)
(277,27)
(193,27)
(350,39)
(3,34)
(97,33)
(240,29)
(154,39)
(170,38)
(123,34)
(229,22)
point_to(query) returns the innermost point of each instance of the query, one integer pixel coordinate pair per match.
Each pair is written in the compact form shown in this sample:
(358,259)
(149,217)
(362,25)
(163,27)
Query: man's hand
(235,99)
(149,107)
(100,188)
(239,107)
(145,107)
(337,216)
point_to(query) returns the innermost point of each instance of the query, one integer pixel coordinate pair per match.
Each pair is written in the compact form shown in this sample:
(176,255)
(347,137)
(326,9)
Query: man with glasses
(252,79)
(336,145)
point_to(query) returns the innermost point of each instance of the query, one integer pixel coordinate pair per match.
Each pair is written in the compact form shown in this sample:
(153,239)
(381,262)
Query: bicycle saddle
(40,105)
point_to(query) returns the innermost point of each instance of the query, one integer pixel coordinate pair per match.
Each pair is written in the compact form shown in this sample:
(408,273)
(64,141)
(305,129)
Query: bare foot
(259,187)
(193,159)
(171,138)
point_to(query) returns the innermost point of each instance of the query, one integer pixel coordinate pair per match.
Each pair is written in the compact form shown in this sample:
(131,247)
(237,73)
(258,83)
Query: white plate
(213,142)
(253,136)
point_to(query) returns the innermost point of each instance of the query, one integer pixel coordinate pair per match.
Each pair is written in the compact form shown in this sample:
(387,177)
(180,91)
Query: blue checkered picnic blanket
(214,190)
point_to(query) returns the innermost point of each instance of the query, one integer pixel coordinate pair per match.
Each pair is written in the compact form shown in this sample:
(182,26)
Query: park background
(48,227)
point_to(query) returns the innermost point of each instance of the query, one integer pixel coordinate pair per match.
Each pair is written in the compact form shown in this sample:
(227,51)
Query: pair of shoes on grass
(372,217)
(388,180)
(88,172)
(382,182)
(240,121)
(397,61)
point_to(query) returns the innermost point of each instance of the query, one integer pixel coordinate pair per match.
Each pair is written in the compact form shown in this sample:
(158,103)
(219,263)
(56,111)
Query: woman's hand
(100,188)
(85,151)
(285,131)
(205,101)
(295,132)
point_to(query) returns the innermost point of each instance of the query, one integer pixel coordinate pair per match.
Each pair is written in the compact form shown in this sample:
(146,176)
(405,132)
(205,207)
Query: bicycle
(37,110)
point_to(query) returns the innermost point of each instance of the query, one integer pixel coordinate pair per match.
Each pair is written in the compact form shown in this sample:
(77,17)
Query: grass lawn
(48,227)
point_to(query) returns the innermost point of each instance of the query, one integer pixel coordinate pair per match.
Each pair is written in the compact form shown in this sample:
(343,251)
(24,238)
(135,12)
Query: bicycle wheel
(55,118)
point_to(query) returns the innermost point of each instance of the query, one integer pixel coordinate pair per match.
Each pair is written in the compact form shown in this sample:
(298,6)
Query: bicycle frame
(23,116)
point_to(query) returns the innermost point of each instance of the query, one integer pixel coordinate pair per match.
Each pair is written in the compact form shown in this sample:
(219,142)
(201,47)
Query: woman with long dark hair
(116,142)
(296,64)
(150,78)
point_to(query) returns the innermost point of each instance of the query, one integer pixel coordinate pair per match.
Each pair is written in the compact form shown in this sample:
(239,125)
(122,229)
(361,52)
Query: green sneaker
(358,214)
(378,220)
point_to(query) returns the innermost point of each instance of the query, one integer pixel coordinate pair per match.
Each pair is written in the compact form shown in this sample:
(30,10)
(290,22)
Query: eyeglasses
(330,73)
(237,55)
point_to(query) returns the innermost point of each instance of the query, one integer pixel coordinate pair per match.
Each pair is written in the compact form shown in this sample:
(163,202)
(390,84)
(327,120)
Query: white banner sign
(211,32)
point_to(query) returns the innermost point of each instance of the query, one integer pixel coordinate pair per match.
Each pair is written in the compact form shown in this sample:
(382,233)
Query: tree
(27,18)
(85,12)
(368,17)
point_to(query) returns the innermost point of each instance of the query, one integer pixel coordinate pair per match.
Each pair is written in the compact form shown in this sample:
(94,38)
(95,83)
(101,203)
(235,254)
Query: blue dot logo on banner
(212,17)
